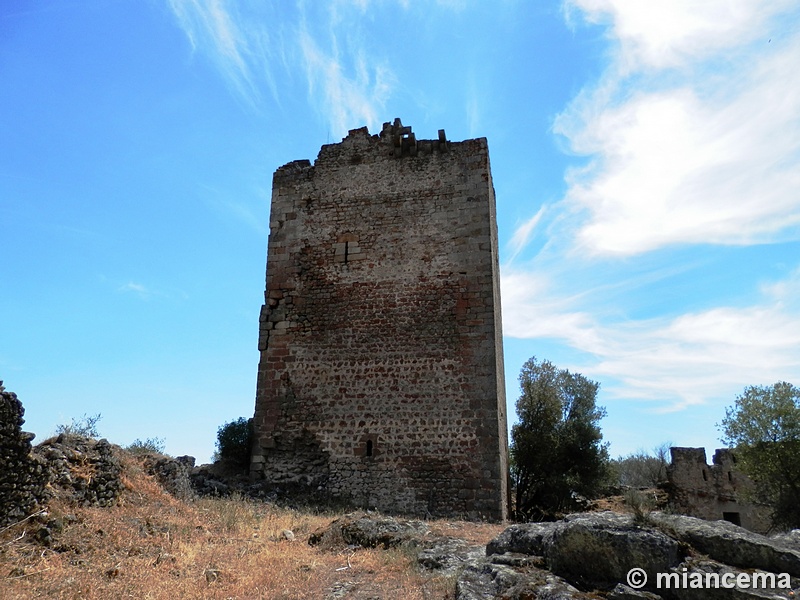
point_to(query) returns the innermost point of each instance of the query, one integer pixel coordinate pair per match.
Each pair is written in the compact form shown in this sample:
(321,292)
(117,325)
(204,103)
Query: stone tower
(381,374)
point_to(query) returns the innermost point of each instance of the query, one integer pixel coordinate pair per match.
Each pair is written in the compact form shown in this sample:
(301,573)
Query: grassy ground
(152,546)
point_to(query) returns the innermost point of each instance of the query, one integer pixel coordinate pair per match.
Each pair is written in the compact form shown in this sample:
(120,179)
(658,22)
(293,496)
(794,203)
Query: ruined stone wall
(22,477)
(713,492)
(381,372)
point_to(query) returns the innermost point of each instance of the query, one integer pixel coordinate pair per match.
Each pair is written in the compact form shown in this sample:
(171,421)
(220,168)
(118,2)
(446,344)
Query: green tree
(235,441)
(763,427)
(556,447)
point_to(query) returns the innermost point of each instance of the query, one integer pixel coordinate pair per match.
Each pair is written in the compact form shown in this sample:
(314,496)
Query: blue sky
(645,155)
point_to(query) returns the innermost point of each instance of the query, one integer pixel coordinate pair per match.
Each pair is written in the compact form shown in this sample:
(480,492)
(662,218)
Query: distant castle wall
(381,372)
(713,492)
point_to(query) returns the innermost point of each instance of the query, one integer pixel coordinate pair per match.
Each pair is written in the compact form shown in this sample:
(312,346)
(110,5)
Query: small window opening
(705,475)
(346,250)
(732,517)
(730,476)
(369,447)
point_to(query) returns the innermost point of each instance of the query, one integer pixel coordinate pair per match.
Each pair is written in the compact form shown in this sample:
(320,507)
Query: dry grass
(152,546)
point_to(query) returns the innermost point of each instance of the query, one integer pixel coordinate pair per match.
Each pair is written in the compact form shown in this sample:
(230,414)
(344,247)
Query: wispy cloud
(347,87)
(693,132)
(348,83)
(140,290)
(523,233)
(214,27)
(674,362)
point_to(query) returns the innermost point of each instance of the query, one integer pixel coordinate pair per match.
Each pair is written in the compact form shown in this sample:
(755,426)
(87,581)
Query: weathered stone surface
(380,382)
(790,539)
(593,549)
(598,549)
(731,544)
(370,531)
(524,538)
(623,592)
(448,554)
(700,578)
(484,581)
(680,555)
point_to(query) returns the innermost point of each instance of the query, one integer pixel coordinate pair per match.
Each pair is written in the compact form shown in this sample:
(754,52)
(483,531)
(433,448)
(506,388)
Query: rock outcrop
(680,557)
(589,556)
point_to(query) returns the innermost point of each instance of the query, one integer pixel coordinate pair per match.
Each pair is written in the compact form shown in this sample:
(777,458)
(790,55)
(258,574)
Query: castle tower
(381,372)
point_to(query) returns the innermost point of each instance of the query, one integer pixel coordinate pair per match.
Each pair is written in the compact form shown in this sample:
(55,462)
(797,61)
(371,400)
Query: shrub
(235,441)
(86,426)
(150,445)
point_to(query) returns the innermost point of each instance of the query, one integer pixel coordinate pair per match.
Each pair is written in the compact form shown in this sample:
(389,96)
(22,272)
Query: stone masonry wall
(713,492)
(381,372)
(22,477)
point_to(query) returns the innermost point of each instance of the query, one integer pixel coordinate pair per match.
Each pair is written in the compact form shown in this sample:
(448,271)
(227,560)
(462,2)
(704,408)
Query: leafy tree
(763,426)
(235,441)
(556,447)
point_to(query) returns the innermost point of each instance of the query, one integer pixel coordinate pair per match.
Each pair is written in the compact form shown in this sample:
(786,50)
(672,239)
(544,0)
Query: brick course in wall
(380,381)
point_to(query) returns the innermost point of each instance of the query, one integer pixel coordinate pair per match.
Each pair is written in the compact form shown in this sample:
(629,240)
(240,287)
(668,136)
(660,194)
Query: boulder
(523,538)
(448,554)
(592,549)
(485,580)
(598,549)
(790,539)
(730,544)
(624,592)
(701,578)
(370,531)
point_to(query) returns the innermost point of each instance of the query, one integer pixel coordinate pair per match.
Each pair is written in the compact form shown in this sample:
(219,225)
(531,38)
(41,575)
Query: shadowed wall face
(381,372)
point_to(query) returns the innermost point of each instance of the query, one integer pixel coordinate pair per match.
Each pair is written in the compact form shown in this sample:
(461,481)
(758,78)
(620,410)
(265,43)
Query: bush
(641,469)
(150,445)
(235,441)
(86,426)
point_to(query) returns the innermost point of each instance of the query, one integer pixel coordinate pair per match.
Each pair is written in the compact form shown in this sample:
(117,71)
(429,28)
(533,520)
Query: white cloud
(214,26)
(136,288)
(357,97)
(668,33)
(707,151)
(523,233)
(248,41)
(676,361)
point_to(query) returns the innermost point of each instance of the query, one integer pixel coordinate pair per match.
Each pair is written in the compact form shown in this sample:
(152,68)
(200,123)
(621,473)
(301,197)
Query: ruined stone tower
(381,372)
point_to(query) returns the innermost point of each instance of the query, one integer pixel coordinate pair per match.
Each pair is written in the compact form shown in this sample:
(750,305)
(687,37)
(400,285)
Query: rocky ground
(116,524)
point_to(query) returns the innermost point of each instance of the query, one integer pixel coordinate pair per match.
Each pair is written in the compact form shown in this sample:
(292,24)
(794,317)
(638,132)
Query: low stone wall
(173,474)
(88,469)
